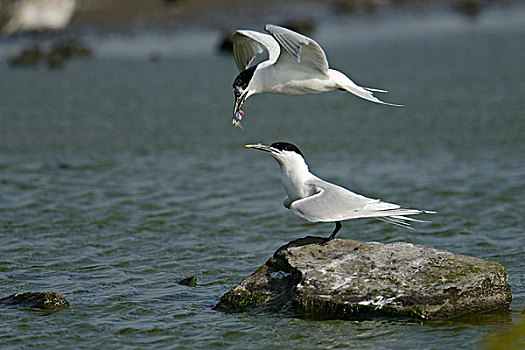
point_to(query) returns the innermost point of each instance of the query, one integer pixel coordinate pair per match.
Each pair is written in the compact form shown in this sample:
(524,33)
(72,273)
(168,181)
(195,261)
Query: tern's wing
(298,49)
(334,203)
(247,44)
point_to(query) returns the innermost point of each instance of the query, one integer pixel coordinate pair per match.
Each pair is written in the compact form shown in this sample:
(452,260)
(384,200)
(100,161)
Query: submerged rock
(188,281)
(346,279)
(36,300)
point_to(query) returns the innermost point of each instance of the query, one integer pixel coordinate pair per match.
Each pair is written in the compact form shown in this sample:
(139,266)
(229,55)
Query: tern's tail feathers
(399,220)
(398,216)
(345,83)
(366,93)
(375,90)
(392,213)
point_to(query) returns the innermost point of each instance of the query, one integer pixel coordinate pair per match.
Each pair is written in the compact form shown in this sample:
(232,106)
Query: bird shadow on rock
(300,242)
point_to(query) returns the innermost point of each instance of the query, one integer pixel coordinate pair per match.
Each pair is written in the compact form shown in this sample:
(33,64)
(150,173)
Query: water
(120,176)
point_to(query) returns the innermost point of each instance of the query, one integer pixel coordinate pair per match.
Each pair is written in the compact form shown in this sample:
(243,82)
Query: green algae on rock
(239,299)
(347,279)
(36,300)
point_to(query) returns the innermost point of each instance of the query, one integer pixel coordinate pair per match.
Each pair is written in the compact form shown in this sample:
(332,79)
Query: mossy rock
(36,300)
(346,279)
(240,300)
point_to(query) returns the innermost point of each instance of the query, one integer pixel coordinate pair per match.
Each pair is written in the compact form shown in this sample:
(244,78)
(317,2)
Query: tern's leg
(338,226)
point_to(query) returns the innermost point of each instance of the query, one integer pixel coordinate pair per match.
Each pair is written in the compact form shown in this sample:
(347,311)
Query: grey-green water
(120,176)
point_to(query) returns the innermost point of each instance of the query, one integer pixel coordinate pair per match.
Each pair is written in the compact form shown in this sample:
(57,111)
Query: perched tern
(316,200)
(296,65)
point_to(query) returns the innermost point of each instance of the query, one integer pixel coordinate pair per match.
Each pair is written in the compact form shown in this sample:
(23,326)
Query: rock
(56,56)
(70,48)
(55,60)
(346,279)
(469,8)
(65,50)
(189,281)
(225,44)
(36,300)
(28,57)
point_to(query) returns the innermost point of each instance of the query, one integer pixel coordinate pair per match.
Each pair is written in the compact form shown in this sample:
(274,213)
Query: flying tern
(316,200)
(296,65)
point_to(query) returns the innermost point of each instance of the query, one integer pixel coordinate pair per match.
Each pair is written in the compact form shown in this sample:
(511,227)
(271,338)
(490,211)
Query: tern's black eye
(285,146)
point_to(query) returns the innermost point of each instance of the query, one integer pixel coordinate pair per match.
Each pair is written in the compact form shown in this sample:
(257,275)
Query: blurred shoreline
(175,15)
(185,28)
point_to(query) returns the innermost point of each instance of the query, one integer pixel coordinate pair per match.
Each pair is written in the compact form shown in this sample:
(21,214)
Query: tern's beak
(237,112)
(262,147)
(237,106)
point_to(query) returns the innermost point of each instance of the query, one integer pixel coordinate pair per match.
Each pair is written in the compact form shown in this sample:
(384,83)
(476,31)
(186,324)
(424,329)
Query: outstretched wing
(247,44)
(298,49)
(333,203)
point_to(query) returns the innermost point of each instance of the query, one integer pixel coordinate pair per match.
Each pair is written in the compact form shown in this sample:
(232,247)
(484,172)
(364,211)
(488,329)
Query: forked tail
(344,83)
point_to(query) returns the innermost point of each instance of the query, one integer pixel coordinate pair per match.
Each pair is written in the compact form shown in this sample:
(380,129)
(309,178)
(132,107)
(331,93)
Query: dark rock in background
(28,57)
(54,57)
(69,48)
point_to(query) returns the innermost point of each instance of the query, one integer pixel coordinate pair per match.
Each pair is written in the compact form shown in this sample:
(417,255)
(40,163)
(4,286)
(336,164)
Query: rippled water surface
(120,176)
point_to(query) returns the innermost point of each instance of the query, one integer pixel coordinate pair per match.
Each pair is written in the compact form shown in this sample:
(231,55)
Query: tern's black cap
(285,146)
(243,78)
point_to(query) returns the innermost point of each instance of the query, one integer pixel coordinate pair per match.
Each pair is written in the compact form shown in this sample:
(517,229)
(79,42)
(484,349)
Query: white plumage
(296,65)
(316,200)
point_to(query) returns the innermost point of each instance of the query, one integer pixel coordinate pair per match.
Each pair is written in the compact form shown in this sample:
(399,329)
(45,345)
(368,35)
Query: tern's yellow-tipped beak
(261,147)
